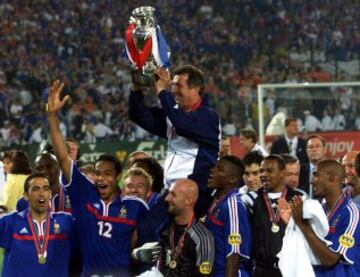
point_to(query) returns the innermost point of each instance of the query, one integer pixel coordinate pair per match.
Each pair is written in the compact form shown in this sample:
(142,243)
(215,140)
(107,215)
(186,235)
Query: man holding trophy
(192,129)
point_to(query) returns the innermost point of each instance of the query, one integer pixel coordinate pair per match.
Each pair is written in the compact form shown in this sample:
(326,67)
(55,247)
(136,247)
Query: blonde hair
(137,171)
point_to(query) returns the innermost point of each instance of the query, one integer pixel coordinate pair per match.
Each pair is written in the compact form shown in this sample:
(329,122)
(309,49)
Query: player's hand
(162,79)
(54,103)
(284,210)
(296,208)
(147,253)
(136,87)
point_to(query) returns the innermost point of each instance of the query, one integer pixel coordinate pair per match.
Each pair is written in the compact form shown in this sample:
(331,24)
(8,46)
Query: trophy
(146,47)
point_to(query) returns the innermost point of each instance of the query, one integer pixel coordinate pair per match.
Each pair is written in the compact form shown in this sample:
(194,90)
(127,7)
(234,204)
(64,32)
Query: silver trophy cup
(145,22)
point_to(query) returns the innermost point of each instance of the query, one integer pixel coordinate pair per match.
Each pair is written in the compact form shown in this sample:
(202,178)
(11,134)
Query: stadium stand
(239,45)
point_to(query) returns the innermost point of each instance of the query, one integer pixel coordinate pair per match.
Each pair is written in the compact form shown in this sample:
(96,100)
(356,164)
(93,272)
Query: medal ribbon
(177,250)
(40,248)
(338,203)
(274,216)
(137,56)
(216,203)
(61,199)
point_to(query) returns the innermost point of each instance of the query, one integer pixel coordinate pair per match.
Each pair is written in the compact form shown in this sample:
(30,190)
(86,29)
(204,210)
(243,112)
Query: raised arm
(53,106)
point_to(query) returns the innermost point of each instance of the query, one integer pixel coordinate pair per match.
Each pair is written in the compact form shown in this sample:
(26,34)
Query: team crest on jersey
(56,228)
(67,202)
(333,225)
(216,213)
(346,241)
(123,212)
(234,239)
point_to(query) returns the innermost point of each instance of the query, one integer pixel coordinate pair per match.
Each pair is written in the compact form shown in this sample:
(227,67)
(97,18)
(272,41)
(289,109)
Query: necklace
(40,247)
(274,216)
(176,250)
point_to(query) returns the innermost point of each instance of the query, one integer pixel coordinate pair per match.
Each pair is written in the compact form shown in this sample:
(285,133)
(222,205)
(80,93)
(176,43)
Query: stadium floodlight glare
(263,87)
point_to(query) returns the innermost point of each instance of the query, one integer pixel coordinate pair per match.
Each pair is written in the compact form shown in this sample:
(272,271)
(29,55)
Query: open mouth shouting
(41,202)
(102,187)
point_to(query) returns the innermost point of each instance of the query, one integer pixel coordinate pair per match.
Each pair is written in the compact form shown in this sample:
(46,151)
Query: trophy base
(143,79)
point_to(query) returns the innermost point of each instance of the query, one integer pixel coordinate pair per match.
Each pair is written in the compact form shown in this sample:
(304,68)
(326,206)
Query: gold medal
(41,249)
(275,228)
(42,259)
(172,264)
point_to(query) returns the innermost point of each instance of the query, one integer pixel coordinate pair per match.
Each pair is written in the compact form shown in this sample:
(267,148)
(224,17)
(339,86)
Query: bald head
(182,197)
(357,165)
(188,188)
(348,161)
(350,155)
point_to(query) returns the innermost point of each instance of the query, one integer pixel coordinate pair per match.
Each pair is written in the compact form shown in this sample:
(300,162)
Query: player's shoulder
(351,214)
(295,191)
(235,200)
(199,230)
(249,198)
(9,216)
(348,222)
(205,246)
(133,200)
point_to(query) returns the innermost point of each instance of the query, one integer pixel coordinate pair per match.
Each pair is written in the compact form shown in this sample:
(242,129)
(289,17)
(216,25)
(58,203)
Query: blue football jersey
(104,229)
(344,234)
(228,221)
(153,199)
(21,257)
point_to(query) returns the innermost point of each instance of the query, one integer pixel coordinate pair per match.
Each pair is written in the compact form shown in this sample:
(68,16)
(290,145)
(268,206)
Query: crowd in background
(238,45)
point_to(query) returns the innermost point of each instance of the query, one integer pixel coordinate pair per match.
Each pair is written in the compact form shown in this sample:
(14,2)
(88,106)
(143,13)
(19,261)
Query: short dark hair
(20,161)
(289,120)
(236,162)
(195,77)
(46,147)
(332,167)
(278,159)
(130,158)
(253,157)
(249,134)
(111,159)
(288,158)
(33,175)
(323,142)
